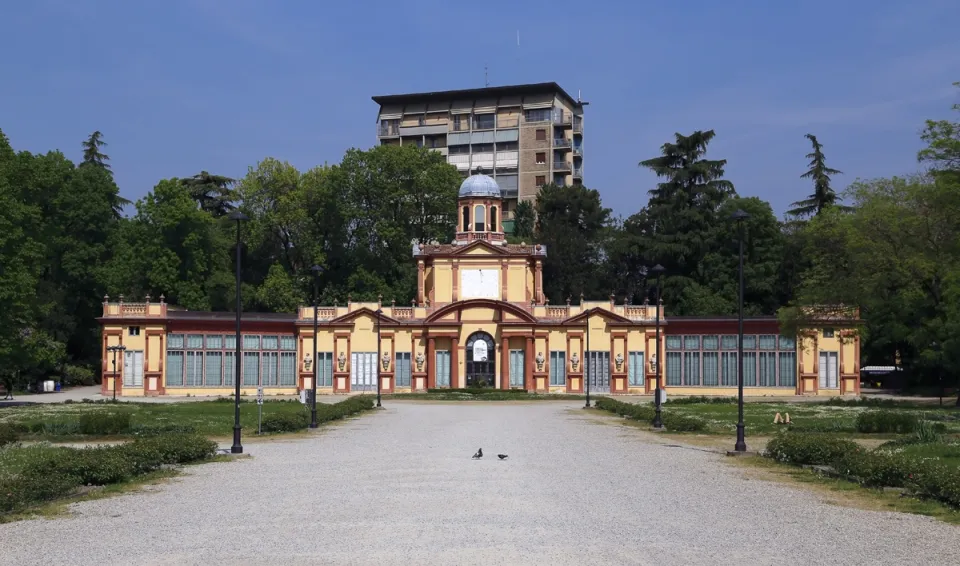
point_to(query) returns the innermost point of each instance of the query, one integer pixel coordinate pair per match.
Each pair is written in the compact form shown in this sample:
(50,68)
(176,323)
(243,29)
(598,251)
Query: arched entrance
(481,358)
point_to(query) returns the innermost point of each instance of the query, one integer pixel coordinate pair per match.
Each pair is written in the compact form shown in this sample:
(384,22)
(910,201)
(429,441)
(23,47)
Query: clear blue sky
(184,85)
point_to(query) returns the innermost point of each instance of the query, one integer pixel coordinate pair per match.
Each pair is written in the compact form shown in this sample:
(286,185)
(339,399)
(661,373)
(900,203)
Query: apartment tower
(523,136)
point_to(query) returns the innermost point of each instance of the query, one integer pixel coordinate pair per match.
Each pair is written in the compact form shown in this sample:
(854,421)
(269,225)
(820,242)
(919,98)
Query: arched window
(466,219)
(494,227)
(479,218)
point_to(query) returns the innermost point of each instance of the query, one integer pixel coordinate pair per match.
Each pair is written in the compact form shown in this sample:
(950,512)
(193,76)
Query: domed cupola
(481,210)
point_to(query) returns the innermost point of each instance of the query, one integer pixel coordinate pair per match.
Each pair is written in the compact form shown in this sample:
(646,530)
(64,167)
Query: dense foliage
(891,249)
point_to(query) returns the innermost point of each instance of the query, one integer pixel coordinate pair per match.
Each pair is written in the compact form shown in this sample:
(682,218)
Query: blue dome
(479,186)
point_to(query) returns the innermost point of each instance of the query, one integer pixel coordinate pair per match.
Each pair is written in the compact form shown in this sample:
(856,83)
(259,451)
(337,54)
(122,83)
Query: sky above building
(187,85)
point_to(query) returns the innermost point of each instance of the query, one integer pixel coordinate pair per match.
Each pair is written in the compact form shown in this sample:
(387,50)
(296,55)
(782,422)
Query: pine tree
(823,195)
(212,193)
(91,151)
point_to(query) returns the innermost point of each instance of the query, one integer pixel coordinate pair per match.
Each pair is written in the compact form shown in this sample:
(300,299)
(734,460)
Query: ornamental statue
(420,361)
(619,361)
(385,360)
(540,361)
(342,360)
(574,361)
(653,363)
(307,362)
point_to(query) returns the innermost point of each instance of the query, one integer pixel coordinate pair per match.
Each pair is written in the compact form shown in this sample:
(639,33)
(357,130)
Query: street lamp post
(115,350)
(586,361)
(657,420)
(741,446)
(379,312)
(237,447)
(936,348)
(317,270)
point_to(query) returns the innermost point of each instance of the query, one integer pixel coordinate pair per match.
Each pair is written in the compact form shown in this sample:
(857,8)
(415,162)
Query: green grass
(210,418)
(491,395)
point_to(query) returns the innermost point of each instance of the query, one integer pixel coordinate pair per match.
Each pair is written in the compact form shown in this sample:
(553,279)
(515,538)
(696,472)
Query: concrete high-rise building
(524,136)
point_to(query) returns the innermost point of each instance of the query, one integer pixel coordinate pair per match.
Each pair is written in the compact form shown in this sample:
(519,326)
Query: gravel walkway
(399,487)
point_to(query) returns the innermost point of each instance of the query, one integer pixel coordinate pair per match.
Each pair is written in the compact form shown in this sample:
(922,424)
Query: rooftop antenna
(578,95)
(486,81)
(518,38)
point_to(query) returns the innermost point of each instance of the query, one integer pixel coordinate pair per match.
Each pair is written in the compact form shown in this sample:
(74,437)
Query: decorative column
(538,283)
(456,281)
(454,363)
(421,276)
(528,356)
(504,363)
(431,358)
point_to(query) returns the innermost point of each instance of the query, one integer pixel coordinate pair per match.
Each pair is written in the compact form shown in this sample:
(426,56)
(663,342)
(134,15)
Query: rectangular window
(194,369)
(484,121)
(214,342)
(541,135)
(828,333)
(538,115)
(174,341)
(134,330)
(749,342)
(443,369)
(729,342)
(674,342)
(691,342)
(674,367)
(516,368)
(788,343)
(251,368)
(288,343)
(195,341)
(174,368)
(213,365)
(558,368)
(729,369)
(324,369)
(270,343)
(403,369)
(711,367)
(749,368)
(230,342)
(691,367)
(269,371)
(635,369)
(541,180)
(828,370)
(288,369)
(768,369)
(229,369)
(541,158)
(507,146)
(768,342)
(251,342)
(788,369)
(711,342)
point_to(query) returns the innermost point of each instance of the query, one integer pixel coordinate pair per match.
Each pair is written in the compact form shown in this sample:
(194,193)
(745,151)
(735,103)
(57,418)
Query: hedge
(887,421)
(874,468)
(671,421)
(8,434)
(60,472)
(292,422)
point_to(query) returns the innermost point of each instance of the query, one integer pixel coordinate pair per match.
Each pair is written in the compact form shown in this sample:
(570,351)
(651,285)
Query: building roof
(226,316)
(532,88)
(479,186)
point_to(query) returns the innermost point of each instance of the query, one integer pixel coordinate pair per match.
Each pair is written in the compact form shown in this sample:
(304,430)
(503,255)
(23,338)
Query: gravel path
(399,487)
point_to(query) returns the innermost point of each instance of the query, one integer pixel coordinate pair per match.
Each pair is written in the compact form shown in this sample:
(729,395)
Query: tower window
(478,218)
(493,219)
(466,219)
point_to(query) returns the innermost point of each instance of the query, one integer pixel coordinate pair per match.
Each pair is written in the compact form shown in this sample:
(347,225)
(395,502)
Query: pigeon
(502,456)
(479,454)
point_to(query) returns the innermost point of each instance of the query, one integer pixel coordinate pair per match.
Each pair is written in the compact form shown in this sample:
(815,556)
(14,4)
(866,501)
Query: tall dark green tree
(572,223)
(524,217)
(94,157)
(823,194)
(213,193)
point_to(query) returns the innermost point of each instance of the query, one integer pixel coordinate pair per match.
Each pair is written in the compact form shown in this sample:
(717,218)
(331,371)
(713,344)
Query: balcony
(560,164)
(578,151)
(423,130)
(561,118)
(578,125)
(578,172)
(561,142)
(388,129)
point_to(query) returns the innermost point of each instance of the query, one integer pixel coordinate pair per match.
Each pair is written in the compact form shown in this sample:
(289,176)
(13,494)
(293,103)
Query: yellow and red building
(479,319)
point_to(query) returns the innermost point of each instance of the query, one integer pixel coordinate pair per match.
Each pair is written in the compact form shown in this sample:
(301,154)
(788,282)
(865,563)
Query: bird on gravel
(479,454)
(502,456)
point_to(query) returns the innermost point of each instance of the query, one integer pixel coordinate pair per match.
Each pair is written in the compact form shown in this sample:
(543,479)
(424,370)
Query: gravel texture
(399,487)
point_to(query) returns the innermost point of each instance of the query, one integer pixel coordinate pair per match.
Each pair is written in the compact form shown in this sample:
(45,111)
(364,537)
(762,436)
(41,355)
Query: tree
(91,151)
(524,217)
(212,192)
(943,145)
(571,222)
(677,227)
(823,195)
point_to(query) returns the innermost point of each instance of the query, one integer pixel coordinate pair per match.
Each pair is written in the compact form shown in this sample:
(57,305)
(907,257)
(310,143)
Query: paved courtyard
(399,487)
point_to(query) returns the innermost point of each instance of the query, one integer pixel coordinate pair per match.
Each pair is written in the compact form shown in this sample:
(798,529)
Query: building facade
(523,136)
(479,320)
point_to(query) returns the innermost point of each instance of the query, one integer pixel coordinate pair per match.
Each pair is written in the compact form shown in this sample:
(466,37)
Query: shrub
(936,481)
(886,421)
(803,425)
(19,492)
(703,400)
(104,423)
(90,466)
(78,375)
(876,468)
(158,430)
(170,449)
(682,423)
(628,410)
(287,422)
(8,434)
(814,449)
